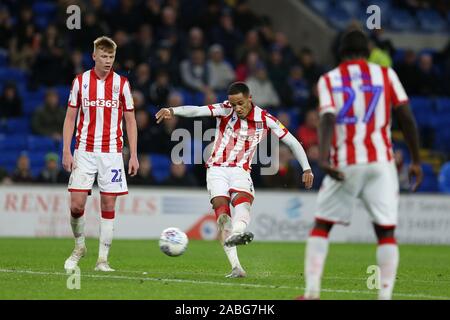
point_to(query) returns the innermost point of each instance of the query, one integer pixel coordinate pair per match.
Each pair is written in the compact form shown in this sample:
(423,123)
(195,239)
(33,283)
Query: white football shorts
(109,168)
(224,181)
(376,184)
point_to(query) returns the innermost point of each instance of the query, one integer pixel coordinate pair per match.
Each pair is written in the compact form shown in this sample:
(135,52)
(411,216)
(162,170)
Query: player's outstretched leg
(77,222)
(223,216)
(241,219)
(387,260)
(315,255)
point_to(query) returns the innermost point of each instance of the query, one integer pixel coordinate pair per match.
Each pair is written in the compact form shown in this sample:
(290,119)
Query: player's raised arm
(214,110)
(280,130)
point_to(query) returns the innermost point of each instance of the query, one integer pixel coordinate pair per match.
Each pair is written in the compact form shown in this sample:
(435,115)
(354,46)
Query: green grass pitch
(33,269)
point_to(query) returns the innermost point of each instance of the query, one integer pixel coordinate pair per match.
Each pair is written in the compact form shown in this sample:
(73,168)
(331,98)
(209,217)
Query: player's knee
(385,234)
(220,202)
(76,210)
(241,198)
(108,203)
(321,228)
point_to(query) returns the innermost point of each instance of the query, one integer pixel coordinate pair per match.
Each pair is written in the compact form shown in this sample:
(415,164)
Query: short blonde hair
(105,43)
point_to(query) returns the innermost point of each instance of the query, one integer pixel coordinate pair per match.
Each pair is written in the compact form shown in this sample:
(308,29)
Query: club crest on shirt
(259,125)
(116,89)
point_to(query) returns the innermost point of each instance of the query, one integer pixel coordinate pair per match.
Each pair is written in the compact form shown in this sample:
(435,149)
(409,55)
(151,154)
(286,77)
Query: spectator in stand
(244,18)
(52,173)
(46,69)
(221,74)
(143,44)
(145,141)
(227,35)
(307,133)
(125,56)
(144,176)
(428,80)
(311,70)
(48,120)
(164,60)
(6,27)
(313,157)
(160,89)
(278,72)
(248,66)
(22,173)
(194,71)
(168,25)
(151,12)
(138,99)
(180,177)
(4,177)
(128,18)
(83,38)
(142,81)
(298,87)
(288,175)
(195,41)
(208,19)
(282,44)
(408,72)
(10,102)
(251,43)
(263,92)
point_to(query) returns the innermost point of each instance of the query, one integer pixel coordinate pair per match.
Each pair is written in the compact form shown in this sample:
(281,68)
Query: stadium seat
(44,8)
(320,6)
(40,143)
(8,159)
(63,93)
(423,108)
(431,21)
(13,142)
(12,74)
(160,166)
(18,125)
(444,178)
(443,106)
(385,5)
(353,8)
(37,159)
(338,18)
(402,20)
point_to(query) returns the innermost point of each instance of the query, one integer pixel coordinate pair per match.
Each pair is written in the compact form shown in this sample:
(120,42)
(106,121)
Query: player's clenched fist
(164,113)
(308,178)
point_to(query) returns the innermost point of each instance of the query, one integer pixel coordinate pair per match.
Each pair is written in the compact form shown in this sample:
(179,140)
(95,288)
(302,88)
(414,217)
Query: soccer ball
(173,242)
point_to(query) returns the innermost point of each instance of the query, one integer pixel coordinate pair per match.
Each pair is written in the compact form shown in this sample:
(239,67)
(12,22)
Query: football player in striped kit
(99,101)
(241,126)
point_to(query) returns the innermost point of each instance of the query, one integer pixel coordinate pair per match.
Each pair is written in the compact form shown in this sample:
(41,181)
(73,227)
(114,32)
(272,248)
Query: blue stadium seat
(385,5)
(431,21)
(63,93)
(12,74)
(423,108)
(9,159)
(402,20)
(37,159)
(353,8)
(160,166)
(443,106)
(40,143)
(13,142)
(45,8)
(3,58)
(444,178)
(338,18)
(18,125)
(320,6)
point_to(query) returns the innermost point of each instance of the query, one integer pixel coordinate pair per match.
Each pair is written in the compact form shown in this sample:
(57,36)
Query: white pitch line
(230,284)
(267,274)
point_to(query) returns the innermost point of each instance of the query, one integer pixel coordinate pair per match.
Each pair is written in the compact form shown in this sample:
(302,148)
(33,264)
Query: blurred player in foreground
(241,126)
(100,98)
(354,134)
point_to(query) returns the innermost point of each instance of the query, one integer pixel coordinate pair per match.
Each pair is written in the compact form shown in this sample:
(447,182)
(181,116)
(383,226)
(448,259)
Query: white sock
(78,230)
(241,217)
(225,231)
(106,237)
(315,255)
(387,259)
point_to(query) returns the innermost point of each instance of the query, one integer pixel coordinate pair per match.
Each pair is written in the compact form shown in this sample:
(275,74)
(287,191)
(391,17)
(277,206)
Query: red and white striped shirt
(360,94)
(100,104)
(236,139)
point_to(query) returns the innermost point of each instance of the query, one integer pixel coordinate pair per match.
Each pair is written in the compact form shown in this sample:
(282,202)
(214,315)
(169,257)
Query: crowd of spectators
(177,52)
